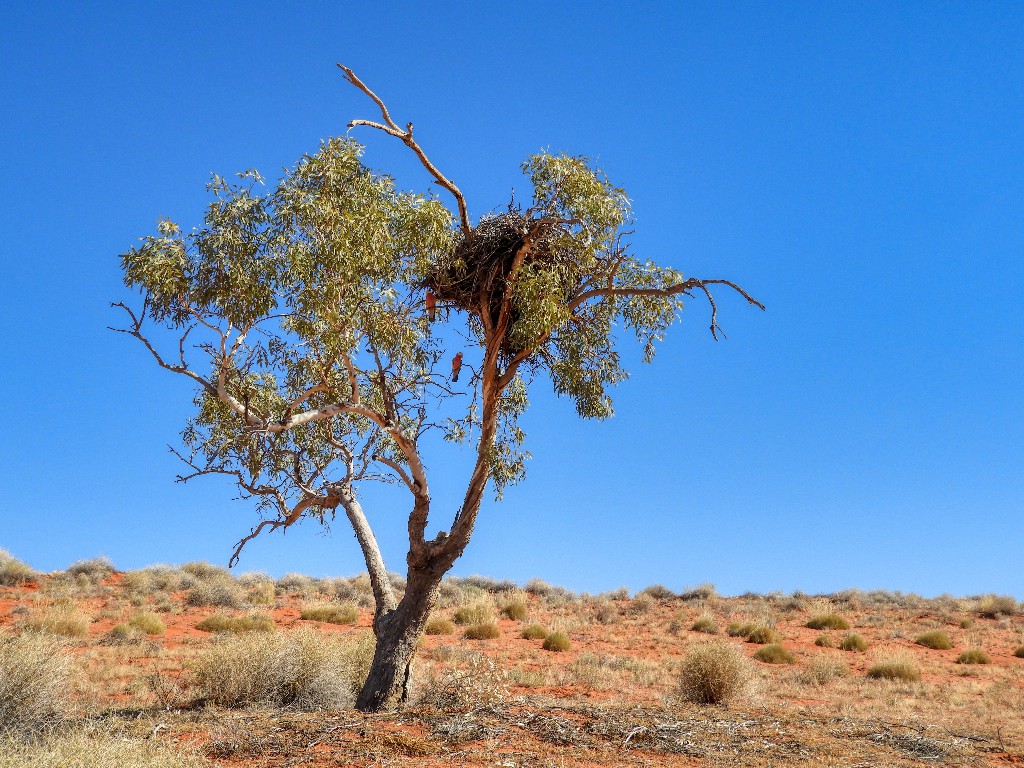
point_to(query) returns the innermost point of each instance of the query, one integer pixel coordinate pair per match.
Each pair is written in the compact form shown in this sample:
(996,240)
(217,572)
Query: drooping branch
(684,287)
(391,128)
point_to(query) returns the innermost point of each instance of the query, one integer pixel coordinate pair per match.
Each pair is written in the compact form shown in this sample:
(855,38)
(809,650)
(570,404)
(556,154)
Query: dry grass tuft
(439,626)
(13,572)
(557,642)
(973,656)
(1019,653)
(902,668)
(824,641)
(827,621)
(62,620)
(994,606)
(822,670)
(93,749)
(853,642)
(762,635)
(331,614)
(534,632)
(149,623)
(704,624)
(738,630)
(33,683)
(937,640)
(303,669)
(487,630)
(477,613)
(256,622)
(714,673)
(775,654)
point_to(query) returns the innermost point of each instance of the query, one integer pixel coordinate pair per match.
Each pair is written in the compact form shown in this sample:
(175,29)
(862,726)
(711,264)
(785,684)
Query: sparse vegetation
(251,623)
(557,642)
(973,656)
(904,669)
(936,639)
(853,642)
(331,613)
(535,632)
(775,654)
(93,748)
(487,630)
(824,641)
(1019,653)
(34,683)
(827,621)
(714,673)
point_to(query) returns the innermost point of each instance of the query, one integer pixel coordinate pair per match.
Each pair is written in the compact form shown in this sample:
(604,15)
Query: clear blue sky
(859,167)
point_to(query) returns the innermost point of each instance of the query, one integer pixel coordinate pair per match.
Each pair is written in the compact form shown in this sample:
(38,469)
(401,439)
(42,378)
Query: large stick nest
(475,275)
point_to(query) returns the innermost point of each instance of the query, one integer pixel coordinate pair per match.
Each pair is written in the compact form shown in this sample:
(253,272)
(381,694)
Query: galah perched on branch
(456,366)
(431,306)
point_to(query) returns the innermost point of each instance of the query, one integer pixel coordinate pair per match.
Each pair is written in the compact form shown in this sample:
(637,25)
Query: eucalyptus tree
(297,312)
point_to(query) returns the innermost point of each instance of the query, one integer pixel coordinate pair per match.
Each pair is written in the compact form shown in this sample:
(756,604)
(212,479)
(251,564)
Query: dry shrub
(331,614)
(1019,653)
(62,619)
(775,654)
(93,748)
(476,613)
(994,606)
(217,590)
(298,584)
(256,622)
(303,669)
(606,612)
(822,670)
(827,621)
(557,642)
(123,634)
(762,635)
(33,683)
(704,591)
(659,592)
(149,623)
(705,624)
(714,673)
(824,642)
(485,631)
(13,572)
(534,632)
(472,681)
(641,604)
(937,640)
(973,656)
(439,626)
(853,642)
(736,629)
(514,605)
(902,668)
(93,570)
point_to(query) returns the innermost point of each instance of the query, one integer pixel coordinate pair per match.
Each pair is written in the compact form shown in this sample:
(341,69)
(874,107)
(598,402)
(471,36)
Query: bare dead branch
(392,129)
